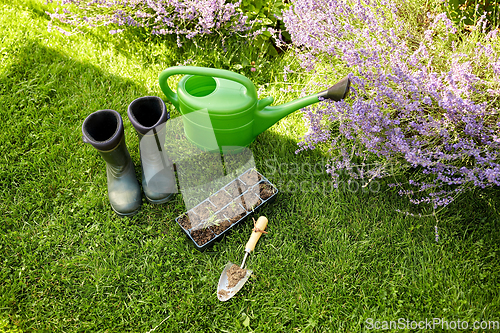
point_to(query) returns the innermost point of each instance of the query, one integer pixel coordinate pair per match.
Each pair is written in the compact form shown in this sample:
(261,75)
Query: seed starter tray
(221,212)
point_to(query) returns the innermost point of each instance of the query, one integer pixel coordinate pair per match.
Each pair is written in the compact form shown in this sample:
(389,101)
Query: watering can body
(220,108)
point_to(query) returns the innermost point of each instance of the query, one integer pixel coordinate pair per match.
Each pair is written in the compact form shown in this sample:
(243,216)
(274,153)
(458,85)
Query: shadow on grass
(53,195)
(45,96)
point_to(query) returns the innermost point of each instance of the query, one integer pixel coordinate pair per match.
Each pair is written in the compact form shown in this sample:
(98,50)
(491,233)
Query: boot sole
(124,214)
(159,201)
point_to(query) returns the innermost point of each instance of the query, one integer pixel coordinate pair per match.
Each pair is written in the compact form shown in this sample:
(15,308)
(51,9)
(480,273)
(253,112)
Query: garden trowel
(233,277)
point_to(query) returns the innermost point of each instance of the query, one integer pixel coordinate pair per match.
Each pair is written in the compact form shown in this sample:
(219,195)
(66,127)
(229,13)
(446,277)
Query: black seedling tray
(221,212)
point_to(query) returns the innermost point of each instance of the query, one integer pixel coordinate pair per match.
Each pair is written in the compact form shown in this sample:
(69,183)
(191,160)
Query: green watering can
(223,104)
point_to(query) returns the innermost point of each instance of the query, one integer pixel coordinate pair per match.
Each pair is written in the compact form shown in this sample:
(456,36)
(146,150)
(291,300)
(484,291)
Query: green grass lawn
(332,259)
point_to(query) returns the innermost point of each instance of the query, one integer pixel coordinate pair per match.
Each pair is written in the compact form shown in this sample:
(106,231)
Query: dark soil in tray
(234,212)
(189,220)
(214,220)
(251,177)
(220,199)
(184,221)
(202,236)
(251,200)
(218,229)
(226,208)
(233,188)
(243,187)
(266,190)
(204,210)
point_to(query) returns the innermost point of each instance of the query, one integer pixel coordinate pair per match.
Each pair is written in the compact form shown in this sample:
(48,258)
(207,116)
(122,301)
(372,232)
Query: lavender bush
(424,96)
(183,18)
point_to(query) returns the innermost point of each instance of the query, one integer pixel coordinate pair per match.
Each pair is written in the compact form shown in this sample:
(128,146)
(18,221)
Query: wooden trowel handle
(261,224)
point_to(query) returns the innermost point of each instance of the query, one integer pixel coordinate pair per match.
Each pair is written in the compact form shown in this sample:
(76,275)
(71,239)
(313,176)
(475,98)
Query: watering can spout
(338,91)
(266,115)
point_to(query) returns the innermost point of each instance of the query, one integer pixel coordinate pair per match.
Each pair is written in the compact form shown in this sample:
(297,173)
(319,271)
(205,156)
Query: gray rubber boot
(104,131)
(149,117)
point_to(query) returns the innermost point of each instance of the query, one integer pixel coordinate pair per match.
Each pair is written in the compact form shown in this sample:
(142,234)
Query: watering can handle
(203,71)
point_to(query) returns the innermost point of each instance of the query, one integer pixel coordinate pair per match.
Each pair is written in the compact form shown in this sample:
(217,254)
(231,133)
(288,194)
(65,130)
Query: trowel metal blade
(223,291)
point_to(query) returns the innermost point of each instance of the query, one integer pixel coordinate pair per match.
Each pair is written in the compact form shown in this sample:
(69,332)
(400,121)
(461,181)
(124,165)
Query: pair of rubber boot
(103,129)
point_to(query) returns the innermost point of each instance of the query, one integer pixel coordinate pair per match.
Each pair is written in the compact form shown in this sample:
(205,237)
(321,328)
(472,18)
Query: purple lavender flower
(184,18)
(411,107)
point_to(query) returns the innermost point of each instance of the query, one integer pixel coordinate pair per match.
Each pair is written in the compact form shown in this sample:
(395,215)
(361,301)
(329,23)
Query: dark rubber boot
(149,117)
(104,131)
